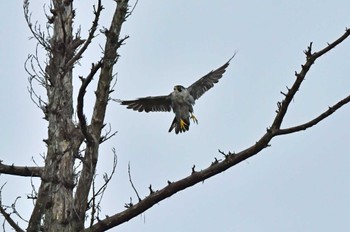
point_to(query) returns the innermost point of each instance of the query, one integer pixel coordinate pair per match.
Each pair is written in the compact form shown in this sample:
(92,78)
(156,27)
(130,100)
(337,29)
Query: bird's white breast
(183,97)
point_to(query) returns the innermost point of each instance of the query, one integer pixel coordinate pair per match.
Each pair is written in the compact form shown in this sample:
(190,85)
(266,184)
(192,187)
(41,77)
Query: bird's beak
(174,88)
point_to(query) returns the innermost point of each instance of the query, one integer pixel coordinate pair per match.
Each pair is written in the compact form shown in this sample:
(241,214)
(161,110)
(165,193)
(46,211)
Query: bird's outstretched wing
(198,88)
(147,104)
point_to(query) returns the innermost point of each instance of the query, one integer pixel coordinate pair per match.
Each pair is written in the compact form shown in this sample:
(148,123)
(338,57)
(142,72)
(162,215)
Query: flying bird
(181,100)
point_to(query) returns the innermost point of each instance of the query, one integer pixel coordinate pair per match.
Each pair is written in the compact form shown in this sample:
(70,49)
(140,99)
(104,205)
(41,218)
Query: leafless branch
(114,77)
(132,10)
(13,206)
(21,170)
(9,220)
(80,105)
(102,95)
(106,178)
(330,46)
(36,71)
(316,120)
(34,194)
(231,159)
(132,184)
(108,134)
(310,59)
(7,216)
(36,31)
(36,74)
(77,56)
(93,204)
(36,99)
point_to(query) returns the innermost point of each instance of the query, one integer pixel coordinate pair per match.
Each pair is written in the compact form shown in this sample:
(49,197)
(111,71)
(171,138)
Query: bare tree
(62,201)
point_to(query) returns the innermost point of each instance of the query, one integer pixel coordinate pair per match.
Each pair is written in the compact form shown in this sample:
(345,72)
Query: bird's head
(179,88)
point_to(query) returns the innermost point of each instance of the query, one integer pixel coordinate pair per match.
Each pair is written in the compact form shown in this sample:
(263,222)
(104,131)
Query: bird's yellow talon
(182,124)
(194,118)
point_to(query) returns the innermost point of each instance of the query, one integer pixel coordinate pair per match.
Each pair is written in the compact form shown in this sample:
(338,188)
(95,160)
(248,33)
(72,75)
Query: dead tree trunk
(54,206)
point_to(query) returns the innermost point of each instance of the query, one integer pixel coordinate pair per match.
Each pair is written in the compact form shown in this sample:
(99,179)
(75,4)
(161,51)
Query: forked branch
(310,59)
(9,220)
(7,216)
(316,120)
(230,159)
(36,30)
(102,95)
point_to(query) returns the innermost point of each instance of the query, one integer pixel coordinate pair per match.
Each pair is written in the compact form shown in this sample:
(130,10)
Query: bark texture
(54,209)
(57,208)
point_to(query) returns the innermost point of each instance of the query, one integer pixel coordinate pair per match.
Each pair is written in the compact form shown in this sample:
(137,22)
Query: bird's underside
(181,100)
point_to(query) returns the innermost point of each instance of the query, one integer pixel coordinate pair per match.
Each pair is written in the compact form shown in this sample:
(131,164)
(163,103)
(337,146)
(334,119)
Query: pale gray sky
(300,183)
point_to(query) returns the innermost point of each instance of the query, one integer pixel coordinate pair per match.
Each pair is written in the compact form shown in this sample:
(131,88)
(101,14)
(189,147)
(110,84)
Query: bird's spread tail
(180,126)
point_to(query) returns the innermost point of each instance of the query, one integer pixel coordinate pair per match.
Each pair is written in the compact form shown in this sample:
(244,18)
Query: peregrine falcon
(181,100)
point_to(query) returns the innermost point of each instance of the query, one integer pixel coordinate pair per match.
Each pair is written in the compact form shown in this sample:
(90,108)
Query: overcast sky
(300,183)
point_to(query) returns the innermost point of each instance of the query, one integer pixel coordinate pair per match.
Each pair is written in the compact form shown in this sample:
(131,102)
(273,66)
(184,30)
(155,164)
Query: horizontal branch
(316,120)
(21,170)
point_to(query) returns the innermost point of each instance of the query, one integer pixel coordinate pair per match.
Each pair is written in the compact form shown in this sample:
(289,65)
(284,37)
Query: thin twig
(107,178)
(132,10)
(132,184)
(13,206)
(108,134)
(36,30)
(6,215)
(77,56)
(10,221)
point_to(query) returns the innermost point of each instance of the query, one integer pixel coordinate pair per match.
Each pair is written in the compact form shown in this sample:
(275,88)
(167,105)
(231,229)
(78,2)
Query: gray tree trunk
(56,208)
